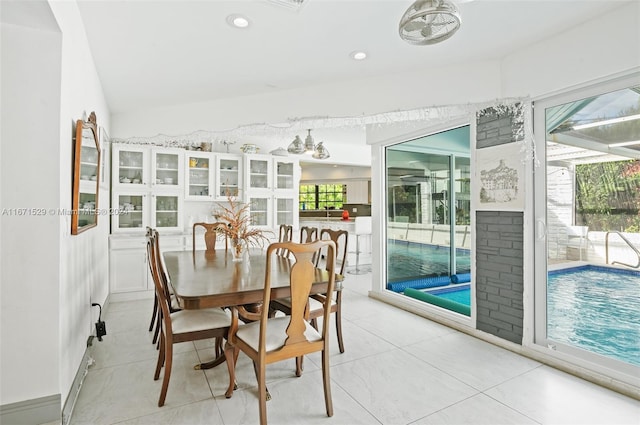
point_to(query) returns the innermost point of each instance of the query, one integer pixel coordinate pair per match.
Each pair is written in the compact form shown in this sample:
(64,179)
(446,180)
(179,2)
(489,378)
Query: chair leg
(299,367)
(326,381)
(231,354)
(158,325)
(219,346)
(257,372)
(160,362)
(155,312)
(167,371)
(339,328)
(263,393)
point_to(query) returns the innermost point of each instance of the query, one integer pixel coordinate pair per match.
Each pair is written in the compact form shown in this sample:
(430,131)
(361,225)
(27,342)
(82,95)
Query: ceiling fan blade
(415,25)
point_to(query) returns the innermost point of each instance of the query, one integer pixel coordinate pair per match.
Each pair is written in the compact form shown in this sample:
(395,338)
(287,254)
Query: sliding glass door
(587,258)
(428,186)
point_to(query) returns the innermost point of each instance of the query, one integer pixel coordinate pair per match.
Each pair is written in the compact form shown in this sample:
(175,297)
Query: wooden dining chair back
(211,236)
(173,304)
(285,235)
(154,314)
(316,302)
(308,234)
(268,340)
(180,326)
(341,239)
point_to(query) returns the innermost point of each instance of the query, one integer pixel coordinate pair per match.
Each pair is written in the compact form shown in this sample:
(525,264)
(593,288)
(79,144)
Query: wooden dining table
(205,279)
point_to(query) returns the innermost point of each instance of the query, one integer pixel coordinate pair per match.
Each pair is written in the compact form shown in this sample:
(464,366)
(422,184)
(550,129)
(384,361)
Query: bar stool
(362,228)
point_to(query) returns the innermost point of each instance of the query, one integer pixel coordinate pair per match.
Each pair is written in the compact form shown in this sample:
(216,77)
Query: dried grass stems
(238,228)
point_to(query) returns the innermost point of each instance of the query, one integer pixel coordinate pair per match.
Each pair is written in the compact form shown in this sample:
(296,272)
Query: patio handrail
(628,242)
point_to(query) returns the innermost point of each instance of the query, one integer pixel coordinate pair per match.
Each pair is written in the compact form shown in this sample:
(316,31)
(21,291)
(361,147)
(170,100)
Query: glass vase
(238,249)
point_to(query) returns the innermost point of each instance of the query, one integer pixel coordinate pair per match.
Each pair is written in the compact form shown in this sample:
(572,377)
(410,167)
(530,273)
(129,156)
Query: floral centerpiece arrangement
(236,215)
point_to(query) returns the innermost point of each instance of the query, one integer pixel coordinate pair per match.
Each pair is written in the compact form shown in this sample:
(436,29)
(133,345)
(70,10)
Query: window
(321,196)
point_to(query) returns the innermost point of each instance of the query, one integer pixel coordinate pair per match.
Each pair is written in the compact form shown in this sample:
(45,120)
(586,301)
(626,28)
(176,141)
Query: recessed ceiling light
(358,55)
(238,21)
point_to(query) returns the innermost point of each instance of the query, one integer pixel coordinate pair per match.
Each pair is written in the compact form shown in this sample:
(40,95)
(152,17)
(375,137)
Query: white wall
(366,96)
(48,276)
(29,284)
(84,258)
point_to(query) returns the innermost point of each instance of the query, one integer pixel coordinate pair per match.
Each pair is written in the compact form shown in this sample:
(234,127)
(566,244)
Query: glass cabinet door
(285,211)
(166,212)
(130,165)
(228,175)
(285,174)
(166,168)
(131,213)
(260,211)
(200,172)
(258,173)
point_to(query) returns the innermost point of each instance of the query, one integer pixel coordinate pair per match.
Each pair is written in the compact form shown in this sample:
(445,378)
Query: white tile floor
(398,368)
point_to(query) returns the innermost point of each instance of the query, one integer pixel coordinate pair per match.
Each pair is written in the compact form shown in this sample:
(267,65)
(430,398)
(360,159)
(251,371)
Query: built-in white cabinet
(167,169)
(271,173)
(228,175)
(272,187)
(200,176)
(211,176)
(128,267)
(129,167)
(147,188)
(258,172)
(286,173)
(157,187)
(132,213)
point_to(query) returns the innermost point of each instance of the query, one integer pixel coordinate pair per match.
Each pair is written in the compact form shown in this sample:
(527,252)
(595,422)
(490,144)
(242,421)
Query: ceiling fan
(430,21)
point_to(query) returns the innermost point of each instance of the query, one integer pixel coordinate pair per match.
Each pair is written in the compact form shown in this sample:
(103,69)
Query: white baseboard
(74,392)
(36,411)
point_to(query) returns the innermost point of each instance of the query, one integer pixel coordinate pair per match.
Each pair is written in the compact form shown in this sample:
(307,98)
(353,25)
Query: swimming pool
(597,309)
(460,294)
(407,260)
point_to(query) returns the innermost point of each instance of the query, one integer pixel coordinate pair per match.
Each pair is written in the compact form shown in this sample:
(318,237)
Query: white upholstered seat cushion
(317,305)
(276,333)
(313,303)
(197,320)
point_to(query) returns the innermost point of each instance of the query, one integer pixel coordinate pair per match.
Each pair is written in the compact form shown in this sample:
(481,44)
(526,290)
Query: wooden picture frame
(86,176)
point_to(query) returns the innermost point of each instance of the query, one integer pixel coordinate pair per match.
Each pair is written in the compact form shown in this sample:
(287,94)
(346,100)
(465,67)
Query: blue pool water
(460,294)
(408,260)
(597,309)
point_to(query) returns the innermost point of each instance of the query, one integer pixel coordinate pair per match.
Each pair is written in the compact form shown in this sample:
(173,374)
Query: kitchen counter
(326,219)
(337,223)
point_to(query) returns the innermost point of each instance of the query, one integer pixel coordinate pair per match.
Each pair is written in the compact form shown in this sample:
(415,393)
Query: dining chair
(211,235)
(155,298)
(268,340)
(308,234)
(180,326)
(162,272)
(341,239)
(285,235)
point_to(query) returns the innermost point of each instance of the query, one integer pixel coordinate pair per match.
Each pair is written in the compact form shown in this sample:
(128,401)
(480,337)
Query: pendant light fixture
(429,22)
(297,146)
